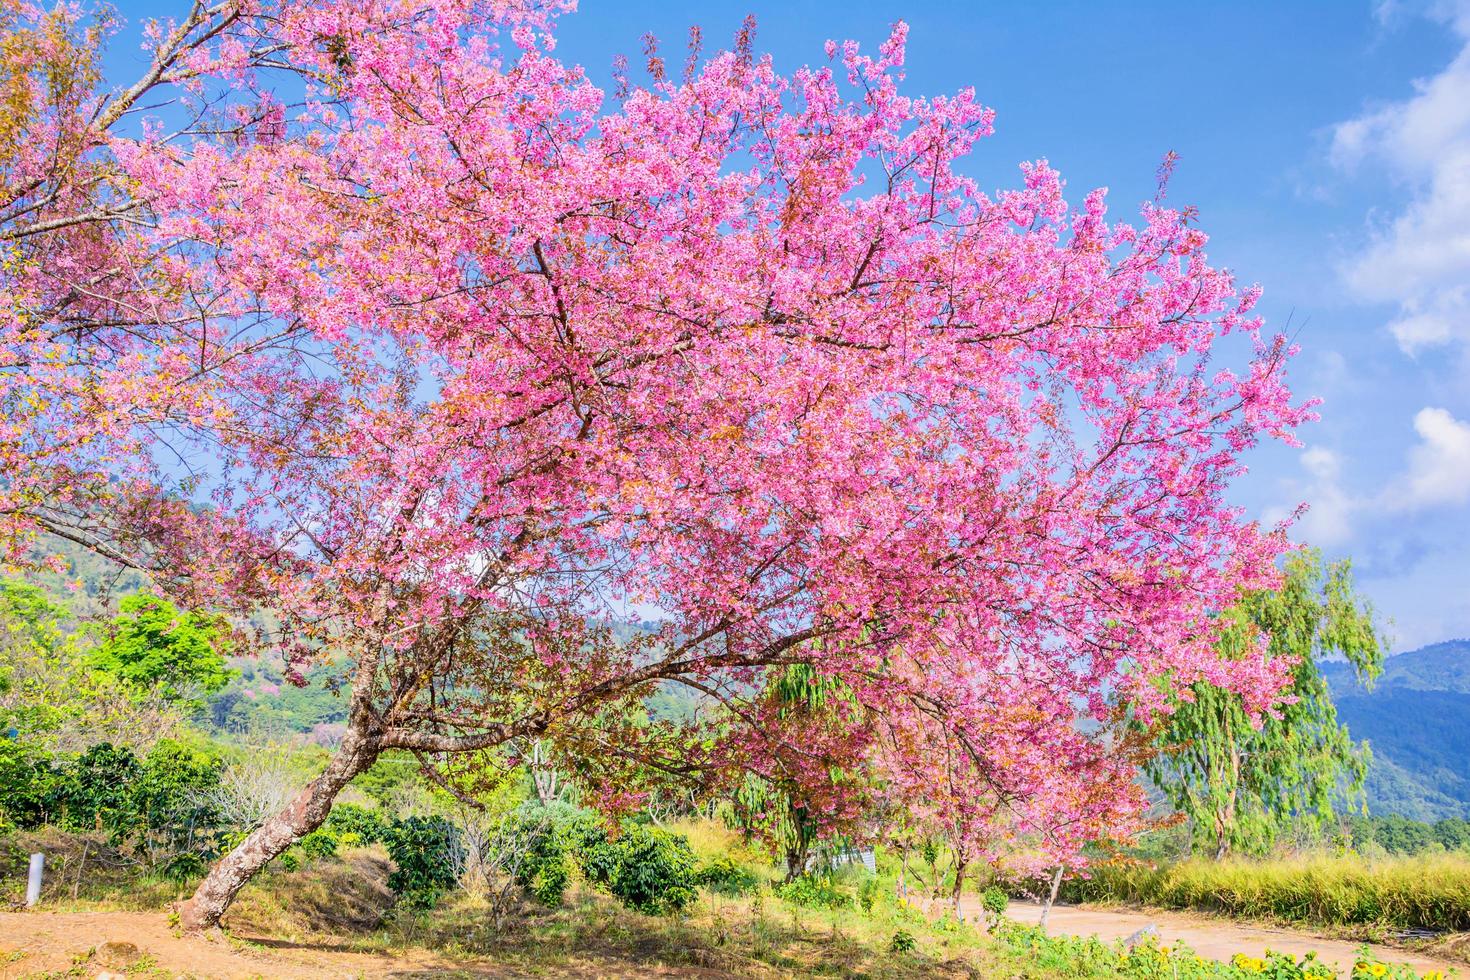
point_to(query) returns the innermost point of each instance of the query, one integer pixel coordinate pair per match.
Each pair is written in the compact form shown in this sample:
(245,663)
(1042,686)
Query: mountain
(1417,722)
(1437,667)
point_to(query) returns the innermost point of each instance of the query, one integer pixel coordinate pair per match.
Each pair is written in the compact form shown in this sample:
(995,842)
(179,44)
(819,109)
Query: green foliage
(93,792)
(727,877)
(366,825)
(27,784)
(868,894)
(167,797)
(814,891)
(153,805)
(1091,959)
(903,941)
(386,777)
(154,646)
(1425,892)
(1400,835)
(422,849)
(1243,785)
(539,841)
(994,900)
(655,872)
(261,700)
(320,843)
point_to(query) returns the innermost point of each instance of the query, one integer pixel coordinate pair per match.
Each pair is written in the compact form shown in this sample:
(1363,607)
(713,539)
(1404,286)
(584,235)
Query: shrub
(28,784)
(92,791)
(725,876)
(167,800)
(320,843)
(903,941)
(533,845)
(868,893)
(422,849)
(366,825)
(993,902)
(597,856)
(814,891)
(655,871)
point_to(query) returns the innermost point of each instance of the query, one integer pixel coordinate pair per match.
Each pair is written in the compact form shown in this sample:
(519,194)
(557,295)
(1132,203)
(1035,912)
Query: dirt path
(1212,938)
(38,943)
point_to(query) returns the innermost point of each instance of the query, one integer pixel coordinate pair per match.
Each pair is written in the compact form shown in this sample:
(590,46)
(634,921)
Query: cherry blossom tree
(382,320)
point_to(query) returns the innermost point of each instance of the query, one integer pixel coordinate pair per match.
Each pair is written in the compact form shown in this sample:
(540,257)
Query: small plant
(903,941)
(814,891)
(655,873)
(724,876)
(321,843)
(993,904)
(868,893)
(422,849)
(366,825)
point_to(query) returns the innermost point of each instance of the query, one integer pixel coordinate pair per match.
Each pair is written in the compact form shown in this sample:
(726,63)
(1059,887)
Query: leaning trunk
(959,885)
(1051,898)
(301,816)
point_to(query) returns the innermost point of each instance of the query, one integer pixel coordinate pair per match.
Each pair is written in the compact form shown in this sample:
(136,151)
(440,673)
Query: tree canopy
(380,323)
(1242,781)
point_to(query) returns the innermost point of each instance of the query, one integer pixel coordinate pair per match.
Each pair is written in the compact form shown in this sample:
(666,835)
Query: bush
(868,893)
(28,784)
(655,871)
(725,876)
(903,941)
(92,791)
(422,849)
(814,891)
(535,844)
(320,843)
(366,825)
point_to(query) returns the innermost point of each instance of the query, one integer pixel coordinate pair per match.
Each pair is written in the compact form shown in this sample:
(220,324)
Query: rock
(1149,931)
(119,956)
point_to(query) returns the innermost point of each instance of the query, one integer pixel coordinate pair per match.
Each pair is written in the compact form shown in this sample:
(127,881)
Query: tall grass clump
(1426,891)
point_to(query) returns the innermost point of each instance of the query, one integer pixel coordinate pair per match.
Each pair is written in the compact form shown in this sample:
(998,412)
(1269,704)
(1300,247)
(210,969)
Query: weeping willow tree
(1242,785)
(812,781)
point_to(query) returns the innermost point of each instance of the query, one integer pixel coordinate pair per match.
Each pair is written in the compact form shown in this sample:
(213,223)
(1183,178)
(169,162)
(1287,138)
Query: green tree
(156,647)
(1243,783)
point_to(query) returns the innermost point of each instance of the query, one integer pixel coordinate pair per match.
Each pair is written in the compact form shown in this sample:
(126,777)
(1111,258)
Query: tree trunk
(959,884)
(796,856)
(301,816)
(1051,897)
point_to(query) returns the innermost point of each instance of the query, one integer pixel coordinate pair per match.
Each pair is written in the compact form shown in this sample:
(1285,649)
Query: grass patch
(1429,891)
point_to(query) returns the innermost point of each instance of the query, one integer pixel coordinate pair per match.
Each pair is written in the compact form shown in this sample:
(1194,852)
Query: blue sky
(1327,147)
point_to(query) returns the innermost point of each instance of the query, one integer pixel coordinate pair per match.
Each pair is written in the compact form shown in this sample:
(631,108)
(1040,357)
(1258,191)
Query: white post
(33,886)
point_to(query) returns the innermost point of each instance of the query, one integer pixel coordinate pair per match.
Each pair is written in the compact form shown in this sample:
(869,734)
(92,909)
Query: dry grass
(1428,891)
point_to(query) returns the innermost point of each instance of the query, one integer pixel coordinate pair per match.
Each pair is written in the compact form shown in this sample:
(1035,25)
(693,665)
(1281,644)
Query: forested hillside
(1417,720)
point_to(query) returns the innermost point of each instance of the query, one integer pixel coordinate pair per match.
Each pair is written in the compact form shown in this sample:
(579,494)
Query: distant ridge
(1441,666)
(1417,721)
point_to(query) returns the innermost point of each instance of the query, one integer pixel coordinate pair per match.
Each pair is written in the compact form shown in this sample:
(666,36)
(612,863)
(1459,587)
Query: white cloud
(1439,464)
(1436,473)
(1330,509)
(1420,258)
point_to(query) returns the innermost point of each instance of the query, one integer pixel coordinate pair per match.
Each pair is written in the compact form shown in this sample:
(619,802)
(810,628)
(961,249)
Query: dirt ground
(1214,938)
(141,944)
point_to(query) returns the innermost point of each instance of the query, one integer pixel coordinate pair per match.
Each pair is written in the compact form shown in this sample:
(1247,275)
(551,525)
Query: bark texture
(305,813)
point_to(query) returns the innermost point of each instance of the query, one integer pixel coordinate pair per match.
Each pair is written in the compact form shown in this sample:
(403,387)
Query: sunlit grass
(1427,891)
